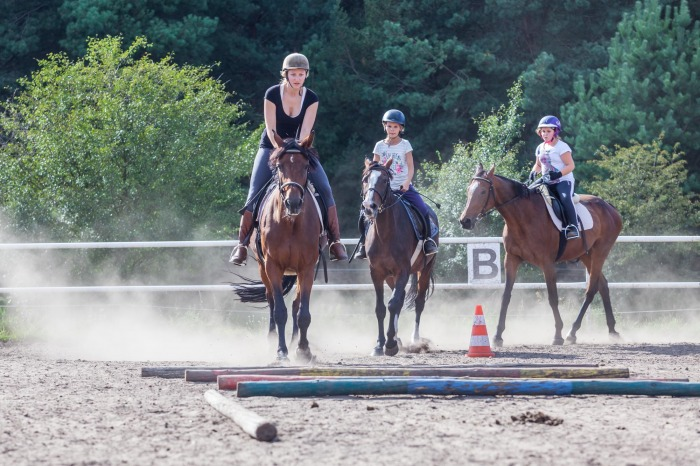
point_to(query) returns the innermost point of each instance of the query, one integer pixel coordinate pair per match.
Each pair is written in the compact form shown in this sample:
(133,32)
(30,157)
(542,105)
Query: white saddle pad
(586,221)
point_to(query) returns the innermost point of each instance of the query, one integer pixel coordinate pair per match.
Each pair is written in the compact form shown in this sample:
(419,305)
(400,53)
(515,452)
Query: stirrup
(571,232)
(335,257)
(430,247)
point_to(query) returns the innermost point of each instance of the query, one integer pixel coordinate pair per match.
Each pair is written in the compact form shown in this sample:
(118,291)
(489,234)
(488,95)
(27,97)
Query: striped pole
(465,387)
(482,372)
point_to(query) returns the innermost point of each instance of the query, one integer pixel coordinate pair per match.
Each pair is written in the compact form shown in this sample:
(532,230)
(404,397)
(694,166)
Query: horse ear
(388,163)
(479,168)
(367,162)
(308,141)
(490,173)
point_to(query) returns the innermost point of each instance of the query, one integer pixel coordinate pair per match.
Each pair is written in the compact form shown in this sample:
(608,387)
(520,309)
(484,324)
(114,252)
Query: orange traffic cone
(479,346)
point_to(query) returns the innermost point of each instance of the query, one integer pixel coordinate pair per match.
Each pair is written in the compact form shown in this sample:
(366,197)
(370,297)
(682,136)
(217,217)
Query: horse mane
(291,145)
(523,190)
(377,166)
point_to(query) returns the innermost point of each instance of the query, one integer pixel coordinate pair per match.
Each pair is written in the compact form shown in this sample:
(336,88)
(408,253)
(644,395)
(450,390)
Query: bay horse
(529,235)
(390,245)
(287,239)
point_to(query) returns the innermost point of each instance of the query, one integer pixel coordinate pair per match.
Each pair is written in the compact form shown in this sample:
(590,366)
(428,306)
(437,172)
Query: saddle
(556,211)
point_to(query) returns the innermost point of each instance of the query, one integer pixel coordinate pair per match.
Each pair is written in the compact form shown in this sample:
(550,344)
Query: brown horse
(288,245)
(530,236)
(390,245)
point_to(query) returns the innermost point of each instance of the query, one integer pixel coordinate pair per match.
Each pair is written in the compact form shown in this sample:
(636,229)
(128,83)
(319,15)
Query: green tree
(644,182)
(115,147)
(498,143)
(181,27)
(650,86)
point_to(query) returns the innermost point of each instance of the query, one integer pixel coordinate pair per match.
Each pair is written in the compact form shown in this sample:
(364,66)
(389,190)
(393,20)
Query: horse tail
(410,302)
(412,294)
(254,291)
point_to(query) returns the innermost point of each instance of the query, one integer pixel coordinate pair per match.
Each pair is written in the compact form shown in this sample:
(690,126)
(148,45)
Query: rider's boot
(239,255)
(336,249)
(571,230)
(430,247)
(361,251)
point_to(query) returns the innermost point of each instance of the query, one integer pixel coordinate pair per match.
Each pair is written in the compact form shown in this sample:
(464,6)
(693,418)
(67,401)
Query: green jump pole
(467,387)
(481,372)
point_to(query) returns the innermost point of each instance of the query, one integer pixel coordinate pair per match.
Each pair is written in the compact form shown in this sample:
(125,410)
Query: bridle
(492,193)
(383,195)
(292,148)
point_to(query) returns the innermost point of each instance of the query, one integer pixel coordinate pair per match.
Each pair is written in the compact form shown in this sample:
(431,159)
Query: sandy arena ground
(61,411)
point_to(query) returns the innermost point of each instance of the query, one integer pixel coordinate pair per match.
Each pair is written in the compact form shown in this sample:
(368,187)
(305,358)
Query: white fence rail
(318,287)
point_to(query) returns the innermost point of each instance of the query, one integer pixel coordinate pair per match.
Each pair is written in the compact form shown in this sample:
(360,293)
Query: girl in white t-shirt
(554,161)
(393,146)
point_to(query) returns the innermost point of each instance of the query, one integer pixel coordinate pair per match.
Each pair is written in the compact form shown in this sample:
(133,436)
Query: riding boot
(361,252)
(336,249)
(239,255)
(571,230)
(430,247)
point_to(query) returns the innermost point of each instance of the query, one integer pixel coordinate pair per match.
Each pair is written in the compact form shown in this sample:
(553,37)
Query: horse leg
(421,296)
(271,331)
(607,305)
(510,264)
(379,311)
(295,314)
(398,296)
(280,310)
(304,283)
(550,277)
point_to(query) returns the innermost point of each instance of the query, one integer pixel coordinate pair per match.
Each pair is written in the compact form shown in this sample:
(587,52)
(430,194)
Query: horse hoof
(498,342)
(378,351)
(392,350)
(558,341)
(571,339)
(614,336)
(304,356)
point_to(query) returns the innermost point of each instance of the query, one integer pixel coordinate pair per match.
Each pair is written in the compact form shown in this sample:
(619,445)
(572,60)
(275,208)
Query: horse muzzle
(293,206)
(370,209)
(467,223)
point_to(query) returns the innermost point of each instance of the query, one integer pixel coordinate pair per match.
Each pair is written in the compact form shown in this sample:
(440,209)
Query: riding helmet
(395,116)
(294,61)
(549,121)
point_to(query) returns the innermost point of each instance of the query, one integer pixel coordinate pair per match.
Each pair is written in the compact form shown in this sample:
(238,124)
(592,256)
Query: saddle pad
(585,219)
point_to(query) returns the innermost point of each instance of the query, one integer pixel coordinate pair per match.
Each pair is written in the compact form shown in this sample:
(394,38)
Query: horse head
(292,161)
(480,197)
(376,187)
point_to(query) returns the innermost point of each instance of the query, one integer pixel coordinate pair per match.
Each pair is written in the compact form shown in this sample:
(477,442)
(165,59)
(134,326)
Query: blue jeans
(262,174)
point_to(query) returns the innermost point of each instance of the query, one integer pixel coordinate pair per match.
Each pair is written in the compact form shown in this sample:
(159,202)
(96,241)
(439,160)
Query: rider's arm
(569,164)
(309,120)
(270,110)
(409,165)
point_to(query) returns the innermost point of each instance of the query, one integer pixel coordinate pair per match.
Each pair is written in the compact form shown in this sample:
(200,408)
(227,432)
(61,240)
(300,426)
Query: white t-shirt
(398,153)
(551,158)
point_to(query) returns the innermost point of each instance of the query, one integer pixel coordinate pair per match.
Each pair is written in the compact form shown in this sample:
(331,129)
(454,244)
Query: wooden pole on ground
(467,387)
(251,423)
(481,372)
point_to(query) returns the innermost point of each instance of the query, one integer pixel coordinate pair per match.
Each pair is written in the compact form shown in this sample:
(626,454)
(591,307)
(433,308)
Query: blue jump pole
(468,387)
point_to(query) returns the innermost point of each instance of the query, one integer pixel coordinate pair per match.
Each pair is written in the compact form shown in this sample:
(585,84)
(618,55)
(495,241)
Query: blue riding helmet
(395,116)
(549,121)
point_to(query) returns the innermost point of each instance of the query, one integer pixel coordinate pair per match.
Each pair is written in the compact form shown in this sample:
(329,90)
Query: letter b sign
(484,262)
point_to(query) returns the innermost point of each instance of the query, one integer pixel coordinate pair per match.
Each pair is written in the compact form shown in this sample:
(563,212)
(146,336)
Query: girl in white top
(554,161)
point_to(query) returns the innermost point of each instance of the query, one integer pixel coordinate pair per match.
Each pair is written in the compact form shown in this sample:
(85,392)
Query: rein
(492,193)
(382,196)
(292,147)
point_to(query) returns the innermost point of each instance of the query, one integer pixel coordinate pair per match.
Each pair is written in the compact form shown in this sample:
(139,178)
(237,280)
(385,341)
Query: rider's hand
(554,174)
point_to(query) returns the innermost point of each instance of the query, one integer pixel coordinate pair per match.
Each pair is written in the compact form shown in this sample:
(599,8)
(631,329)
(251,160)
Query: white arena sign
(484,262)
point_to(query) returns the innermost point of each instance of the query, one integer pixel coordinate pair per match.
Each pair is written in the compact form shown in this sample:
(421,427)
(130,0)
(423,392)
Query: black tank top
(287,127)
